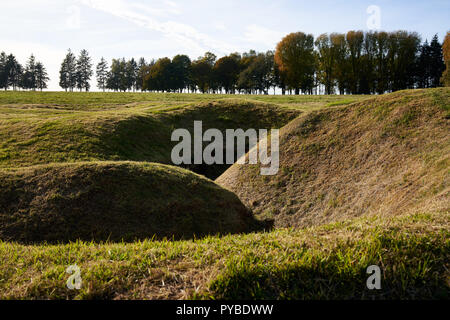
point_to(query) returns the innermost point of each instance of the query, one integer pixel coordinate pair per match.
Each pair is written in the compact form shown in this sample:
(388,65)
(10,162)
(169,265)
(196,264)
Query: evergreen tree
(83,71)
(14,71)
(437,65)
(423,66)
(102,74)
(131,70)
(68,72)
(28,80)
(41,76)
(3,71)
(142,70)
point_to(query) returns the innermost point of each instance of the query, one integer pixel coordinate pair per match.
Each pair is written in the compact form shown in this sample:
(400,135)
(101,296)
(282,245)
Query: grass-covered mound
(387,155)
(114,201)
(33,134)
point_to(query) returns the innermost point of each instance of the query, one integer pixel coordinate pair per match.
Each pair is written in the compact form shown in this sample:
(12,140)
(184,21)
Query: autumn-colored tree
(445,80)
(295,58)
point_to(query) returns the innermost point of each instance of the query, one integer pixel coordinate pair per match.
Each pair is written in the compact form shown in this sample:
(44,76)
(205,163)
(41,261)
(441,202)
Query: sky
(154,29)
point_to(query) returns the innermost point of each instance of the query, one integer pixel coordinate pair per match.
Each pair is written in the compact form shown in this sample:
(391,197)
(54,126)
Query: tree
(3,71)
(368,61)
(29,76)
(14,72)
(202,72)
(260,74)
(181,68)
(113,81)
(403,47)
(117,80)
(41,76)
(160,77)
(355,41)
(227,71)
(131,70)
(326,62)
(83,71)
(381,67)
(102,74)
(142,71)
(295,58)
(437,65)
(68,72)
(445,79)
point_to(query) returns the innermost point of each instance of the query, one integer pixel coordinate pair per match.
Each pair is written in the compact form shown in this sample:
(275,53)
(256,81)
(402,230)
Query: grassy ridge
(326,262)
(387,155)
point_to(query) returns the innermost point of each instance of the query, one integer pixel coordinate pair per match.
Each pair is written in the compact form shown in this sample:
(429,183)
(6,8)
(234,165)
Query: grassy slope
(114,201)
(387,155)
(326,262)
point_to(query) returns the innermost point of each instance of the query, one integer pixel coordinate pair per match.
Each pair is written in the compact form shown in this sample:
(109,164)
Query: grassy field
(70,153)
(100,100)
(325,262)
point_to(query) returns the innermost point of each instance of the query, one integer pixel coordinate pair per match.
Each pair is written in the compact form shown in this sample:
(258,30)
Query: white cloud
(262,35)
(185,34)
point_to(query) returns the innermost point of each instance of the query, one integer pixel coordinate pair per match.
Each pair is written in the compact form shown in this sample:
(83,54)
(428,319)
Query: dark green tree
(226,71)
(181,68)
(437,65)
(41,76)
(83,71)
(102,74)
(68,72)
(15,72)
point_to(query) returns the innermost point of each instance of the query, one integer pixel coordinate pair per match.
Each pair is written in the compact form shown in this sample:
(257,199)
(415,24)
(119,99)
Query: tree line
(13,75)
(353,63)
(356,62)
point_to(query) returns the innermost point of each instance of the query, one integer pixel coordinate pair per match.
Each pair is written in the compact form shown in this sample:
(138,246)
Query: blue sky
(153,29)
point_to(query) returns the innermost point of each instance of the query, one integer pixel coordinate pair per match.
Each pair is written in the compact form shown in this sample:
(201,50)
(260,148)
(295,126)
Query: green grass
(94,100)
(327,262)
